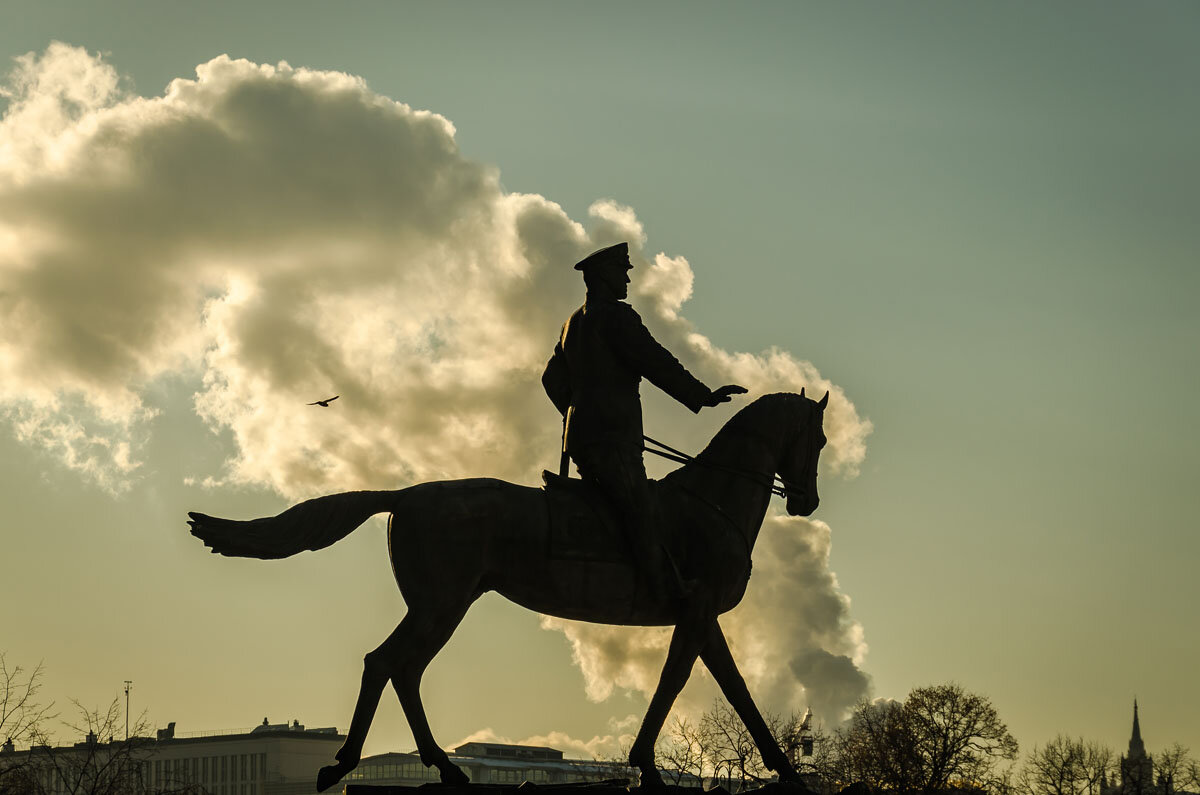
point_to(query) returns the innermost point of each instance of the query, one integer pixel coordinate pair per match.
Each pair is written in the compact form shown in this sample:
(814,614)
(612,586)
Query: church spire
(1136,748)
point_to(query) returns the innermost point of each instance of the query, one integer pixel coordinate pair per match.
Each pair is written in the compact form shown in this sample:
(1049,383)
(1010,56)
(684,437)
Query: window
(505,776)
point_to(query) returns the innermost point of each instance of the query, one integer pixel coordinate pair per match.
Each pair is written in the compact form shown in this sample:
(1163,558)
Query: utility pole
(128,685)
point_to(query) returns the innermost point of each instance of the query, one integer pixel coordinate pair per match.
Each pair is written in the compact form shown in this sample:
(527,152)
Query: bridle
(775,484)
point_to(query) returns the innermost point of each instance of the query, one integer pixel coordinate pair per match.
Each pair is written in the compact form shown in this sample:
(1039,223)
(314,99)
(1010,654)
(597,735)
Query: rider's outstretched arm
(645,355)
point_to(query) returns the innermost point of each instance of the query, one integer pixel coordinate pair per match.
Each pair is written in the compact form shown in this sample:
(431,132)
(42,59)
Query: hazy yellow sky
(975,225)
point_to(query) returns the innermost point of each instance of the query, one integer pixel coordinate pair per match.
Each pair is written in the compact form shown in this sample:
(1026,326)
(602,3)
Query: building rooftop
(487,750)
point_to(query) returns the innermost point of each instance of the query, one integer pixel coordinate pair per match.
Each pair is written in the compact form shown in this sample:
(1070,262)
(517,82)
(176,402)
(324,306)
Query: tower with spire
(1137,768)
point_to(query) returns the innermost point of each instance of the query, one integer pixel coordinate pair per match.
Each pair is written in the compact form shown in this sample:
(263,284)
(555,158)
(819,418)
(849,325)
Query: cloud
(276,234)
(611,746)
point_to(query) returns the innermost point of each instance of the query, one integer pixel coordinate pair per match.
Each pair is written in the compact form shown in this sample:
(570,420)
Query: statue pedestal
(599,788)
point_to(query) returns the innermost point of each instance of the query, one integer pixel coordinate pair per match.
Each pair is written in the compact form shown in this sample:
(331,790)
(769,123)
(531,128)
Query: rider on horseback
(593,378)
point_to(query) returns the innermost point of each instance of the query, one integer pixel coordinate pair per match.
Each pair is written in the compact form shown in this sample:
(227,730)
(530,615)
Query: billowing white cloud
(279,235)
(611,746)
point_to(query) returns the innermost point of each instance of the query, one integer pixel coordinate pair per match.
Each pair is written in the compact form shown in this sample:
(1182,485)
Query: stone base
(580,788)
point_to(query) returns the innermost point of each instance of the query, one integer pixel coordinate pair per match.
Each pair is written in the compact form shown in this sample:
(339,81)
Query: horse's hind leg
(427,639)
(401,658)
(376,672)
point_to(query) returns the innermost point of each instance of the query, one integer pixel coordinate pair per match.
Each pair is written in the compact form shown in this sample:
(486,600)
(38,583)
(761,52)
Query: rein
(781,488)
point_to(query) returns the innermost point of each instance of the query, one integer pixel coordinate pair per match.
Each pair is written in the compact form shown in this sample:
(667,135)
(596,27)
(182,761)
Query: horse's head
(798,467)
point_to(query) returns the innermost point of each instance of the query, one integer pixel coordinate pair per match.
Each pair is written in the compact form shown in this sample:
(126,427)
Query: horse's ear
(824,401)
(801,391)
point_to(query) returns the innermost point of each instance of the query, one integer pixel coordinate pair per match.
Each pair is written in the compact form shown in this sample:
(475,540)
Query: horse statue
(558,551)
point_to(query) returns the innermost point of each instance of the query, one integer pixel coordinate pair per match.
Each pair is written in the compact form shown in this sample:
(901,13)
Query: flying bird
(325,402)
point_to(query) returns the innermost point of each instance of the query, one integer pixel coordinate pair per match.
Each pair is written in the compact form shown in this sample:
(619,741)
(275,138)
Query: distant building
(1137,769)
(271,759)
(490,763)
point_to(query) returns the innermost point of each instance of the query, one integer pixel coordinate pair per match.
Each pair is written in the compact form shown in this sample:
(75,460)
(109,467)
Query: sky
(975,224)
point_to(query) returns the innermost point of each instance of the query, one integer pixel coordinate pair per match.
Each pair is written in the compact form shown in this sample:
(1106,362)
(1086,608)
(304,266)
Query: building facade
(491,763)
(270,759)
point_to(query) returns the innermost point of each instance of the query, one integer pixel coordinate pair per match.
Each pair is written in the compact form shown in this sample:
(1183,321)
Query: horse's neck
(733,474)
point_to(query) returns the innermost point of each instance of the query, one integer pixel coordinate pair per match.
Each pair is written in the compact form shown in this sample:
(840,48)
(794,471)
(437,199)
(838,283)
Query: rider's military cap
(609,254)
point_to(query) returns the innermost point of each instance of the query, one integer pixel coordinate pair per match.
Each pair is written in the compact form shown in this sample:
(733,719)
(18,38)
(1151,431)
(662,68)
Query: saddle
(582,525)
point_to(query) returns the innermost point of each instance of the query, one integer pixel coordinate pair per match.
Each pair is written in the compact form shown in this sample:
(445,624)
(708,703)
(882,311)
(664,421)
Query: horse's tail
(314,524)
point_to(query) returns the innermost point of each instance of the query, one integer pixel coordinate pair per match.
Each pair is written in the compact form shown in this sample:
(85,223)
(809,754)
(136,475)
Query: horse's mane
(768,414)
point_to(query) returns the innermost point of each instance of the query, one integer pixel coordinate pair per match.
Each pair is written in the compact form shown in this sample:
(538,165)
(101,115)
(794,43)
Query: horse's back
(557,551)
(442,534)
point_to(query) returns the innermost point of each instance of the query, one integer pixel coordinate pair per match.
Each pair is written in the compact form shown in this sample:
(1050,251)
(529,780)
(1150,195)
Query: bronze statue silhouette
(593,377)
(602,549)
(557,551)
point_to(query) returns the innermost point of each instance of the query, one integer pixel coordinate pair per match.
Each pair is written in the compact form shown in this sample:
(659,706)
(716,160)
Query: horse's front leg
(686,641)
(719,660)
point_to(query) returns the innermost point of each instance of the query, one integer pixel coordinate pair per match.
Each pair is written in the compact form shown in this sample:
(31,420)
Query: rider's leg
(620,474)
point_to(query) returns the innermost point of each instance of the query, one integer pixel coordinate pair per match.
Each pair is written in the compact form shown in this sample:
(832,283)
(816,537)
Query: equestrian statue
(610,547)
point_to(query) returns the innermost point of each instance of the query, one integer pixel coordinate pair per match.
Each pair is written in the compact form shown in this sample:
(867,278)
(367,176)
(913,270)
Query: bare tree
(610,768)
(939,737)
(789,735)
(1176,765)
(719,746)
(1190,777)
(1099,762)
(20,711)
(816,760)
(1006,781)
(1066,766)
(876,747)
(959,735)
(21,716)
(684,752)
(103,763)
(732,754)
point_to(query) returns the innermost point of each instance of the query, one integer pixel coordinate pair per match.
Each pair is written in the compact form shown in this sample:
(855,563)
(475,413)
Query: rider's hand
(724,393)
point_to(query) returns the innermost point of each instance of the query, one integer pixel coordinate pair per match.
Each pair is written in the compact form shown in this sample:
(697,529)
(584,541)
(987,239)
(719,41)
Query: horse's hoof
(330,775)
(650,779)
(453,774)
(791,781)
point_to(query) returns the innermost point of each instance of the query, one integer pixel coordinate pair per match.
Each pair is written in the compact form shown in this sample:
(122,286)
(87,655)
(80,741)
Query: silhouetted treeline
(940,738)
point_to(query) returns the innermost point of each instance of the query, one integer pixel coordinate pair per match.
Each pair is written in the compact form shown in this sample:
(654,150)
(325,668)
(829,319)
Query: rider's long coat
(593,376)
